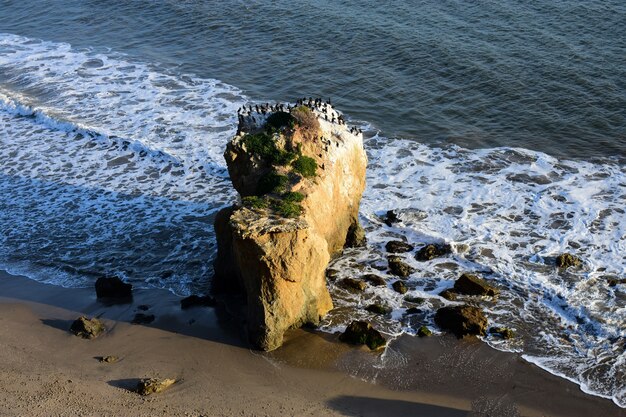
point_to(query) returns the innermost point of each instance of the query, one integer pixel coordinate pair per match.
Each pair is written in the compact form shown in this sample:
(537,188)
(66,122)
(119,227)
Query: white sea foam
(110,165)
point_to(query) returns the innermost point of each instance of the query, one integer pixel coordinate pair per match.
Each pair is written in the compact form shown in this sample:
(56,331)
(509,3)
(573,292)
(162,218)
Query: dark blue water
(544,75)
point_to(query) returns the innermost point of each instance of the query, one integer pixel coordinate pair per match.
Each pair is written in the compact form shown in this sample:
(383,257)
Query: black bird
(256,106)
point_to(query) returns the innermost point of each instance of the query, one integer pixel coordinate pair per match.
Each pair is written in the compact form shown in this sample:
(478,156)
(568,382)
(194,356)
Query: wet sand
(45,370)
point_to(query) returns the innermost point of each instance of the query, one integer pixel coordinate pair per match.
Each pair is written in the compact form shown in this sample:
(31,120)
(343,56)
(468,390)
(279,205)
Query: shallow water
(496,127)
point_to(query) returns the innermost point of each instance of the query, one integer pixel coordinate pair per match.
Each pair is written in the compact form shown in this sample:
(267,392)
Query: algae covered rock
(429,252)
(462,320)
(398,246)
(353,284)
(399,287)
(87,328)
(375,280)
(377,308)
(472,285)
(398,267)
(565,260)
(153,385)
(424,331)
(448,294)
(362,333)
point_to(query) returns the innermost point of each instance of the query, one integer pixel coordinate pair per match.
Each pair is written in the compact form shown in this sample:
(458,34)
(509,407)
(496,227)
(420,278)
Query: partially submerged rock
(462,320)
(398,246)
(353,284)
(469,284)
(375,280)
(414,300)
(197,301)
(432,251)
(399,287)
(153,385)
(141,318)
(356,236)
(503,332)
(398,267)
(424,331)
(566,260)
(113,287)
(87,328)
(378,308)
(391,217)
(362,333)
(448,294)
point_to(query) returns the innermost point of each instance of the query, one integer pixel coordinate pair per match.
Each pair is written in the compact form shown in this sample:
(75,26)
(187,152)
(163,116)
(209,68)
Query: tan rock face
(279,262)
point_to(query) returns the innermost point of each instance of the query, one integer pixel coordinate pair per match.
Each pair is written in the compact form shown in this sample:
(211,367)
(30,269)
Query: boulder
(414,300)
(353,284)
(153,385)
(400,287)
(87,328)
(503,332)
(378,309)
(462,320)
(391,217)
(424,331)
(448,294)
(398,267)
(362,333)
(301,186)
(565,260)
(429,252)
(197,301)
(113,287)
(398,246)
(469,284)
(375,280)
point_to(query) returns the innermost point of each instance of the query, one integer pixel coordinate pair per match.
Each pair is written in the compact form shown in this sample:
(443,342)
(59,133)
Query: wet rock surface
(362,333)
(432,251)
(398,246)
(113,288)
(470,284)
(399,287)
(566,260)
(375,280)
(353,284)
(462,320)
(141,318)
(197,301)
(398,267)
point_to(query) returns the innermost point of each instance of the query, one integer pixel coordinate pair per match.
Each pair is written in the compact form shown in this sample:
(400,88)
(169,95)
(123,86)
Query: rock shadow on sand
(366,406)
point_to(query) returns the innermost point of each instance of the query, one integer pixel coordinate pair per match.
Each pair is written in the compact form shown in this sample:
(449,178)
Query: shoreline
(311,374)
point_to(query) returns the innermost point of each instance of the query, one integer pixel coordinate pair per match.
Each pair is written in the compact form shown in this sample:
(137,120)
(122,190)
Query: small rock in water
(141,318)
(87,328)
(614,281)
(429,252)
(331,274)
(391,218)
(462,320)
(356,236)
(113,287)
(503,332)
(424,332)
(153,385)
(472,285)
(565,260)
(362,333)
(195,300)
(413,310)
(375,280)
(400,287)
(108,359)
(415,300)
(353,284)
(398,267)
(378,309)
(398,246)
(448,294)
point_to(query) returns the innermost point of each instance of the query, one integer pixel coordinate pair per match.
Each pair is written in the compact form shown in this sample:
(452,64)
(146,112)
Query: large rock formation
(300,172)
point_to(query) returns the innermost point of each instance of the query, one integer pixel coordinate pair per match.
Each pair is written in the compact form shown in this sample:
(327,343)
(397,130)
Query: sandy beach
(46,371)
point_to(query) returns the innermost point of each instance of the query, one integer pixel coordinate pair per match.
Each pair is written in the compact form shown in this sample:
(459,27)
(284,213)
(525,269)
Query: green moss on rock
(305,166)
(362,333)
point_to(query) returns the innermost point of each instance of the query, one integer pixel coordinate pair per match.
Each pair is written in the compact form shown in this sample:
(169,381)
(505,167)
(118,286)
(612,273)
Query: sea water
(496,127)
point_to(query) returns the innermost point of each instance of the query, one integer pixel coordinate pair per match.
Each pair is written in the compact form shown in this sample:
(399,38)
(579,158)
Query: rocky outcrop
(469,284)
(87,328)
(462,320)
(300,172)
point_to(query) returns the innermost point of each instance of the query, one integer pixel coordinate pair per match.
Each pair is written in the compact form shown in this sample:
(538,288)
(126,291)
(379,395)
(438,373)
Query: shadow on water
(366,406)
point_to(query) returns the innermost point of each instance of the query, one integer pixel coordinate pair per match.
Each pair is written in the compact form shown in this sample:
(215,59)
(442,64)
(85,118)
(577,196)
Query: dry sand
(46,371)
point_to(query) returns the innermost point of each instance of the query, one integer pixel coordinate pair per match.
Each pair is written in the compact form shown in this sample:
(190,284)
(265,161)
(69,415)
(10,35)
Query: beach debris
(400,287)
(378,308)
(565,260)
(472,285)
(375,280)
(462,320)
(391,218)
(149,386)
(398,246)
(141,318)
(355,237)
(108,359)
(353,284)
(503,332)
(448,294)
(362,333)
(87,328)
(398,267)
(113,287)
(197,301)
(424,331)
(433,251)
